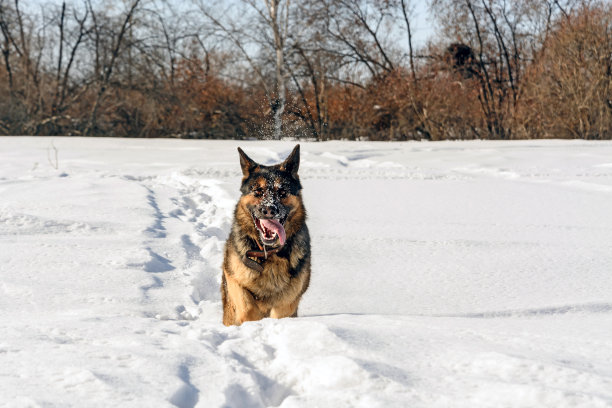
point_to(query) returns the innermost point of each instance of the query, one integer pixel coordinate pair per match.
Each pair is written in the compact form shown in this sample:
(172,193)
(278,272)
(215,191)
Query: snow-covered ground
(452,274)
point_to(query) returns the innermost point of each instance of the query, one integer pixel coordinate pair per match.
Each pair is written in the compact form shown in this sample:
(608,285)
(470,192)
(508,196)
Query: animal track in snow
(184,240)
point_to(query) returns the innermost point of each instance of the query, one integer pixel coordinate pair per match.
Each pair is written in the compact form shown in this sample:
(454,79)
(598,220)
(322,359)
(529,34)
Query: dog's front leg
(287,310)
(244,305)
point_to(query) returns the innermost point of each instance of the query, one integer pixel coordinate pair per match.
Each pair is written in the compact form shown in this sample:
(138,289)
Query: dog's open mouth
(270,230)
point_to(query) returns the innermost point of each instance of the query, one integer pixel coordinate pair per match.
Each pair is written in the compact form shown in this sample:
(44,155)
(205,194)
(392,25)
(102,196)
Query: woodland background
(316,69)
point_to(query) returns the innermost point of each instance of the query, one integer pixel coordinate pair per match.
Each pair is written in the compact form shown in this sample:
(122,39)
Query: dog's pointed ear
(246,163)
(292,163)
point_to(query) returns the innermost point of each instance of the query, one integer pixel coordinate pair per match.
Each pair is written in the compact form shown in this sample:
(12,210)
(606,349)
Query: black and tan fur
(274,287)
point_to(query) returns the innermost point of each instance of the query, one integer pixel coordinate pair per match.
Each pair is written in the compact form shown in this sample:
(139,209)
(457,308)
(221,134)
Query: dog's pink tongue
(275,226)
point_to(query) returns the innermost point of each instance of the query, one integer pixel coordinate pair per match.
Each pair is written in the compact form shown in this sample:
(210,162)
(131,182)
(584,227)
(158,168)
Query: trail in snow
(189,230)
(444,274)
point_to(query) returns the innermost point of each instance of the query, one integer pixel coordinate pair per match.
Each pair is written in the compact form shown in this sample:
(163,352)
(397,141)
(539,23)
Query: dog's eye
(282,193)
(258,192)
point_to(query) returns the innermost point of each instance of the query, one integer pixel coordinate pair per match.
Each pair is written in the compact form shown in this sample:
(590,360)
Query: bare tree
(360,34)
(106,68)
(406,14)
(72,41)
(279,25)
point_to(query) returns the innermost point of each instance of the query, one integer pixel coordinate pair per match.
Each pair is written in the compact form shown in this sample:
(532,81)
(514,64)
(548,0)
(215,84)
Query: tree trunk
(278,100)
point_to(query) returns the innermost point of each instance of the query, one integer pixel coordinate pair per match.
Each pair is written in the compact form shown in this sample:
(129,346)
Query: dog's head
(271,198)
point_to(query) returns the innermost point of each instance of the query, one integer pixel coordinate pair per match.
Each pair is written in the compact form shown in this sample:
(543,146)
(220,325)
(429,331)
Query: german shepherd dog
(266,269)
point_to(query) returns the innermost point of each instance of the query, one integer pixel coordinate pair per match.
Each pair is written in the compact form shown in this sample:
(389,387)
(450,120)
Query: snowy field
(450,274)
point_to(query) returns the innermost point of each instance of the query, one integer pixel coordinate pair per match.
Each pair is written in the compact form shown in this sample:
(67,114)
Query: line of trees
(321,69)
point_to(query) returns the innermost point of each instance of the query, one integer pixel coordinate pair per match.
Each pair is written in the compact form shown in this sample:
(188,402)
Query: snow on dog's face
(271,196)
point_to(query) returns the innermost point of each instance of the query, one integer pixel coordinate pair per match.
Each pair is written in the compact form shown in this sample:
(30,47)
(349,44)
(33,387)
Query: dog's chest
(275,276)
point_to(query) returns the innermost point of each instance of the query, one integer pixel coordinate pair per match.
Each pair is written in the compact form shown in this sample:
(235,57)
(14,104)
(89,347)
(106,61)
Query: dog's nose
(269,210)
